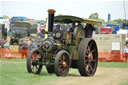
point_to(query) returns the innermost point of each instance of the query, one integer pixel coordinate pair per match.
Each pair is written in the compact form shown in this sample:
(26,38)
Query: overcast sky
(37,9)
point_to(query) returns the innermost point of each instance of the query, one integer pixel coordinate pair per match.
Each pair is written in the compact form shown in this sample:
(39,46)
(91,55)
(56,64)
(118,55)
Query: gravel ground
(103,76)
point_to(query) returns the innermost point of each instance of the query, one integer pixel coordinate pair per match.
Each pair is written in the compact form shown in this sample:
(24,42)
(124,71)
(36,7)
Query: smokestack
(50,19)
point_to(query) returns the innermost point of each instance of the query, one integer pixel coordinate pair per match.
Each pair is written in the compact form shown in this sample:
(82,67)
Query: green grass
(17,60)
(113,65)
(16,73)
(124,83)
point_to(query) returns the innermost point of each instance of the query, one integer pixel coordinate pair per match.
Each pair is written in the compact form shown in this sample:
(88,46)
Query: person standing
(2,47)
(6,47)
(30,41)
(89,30)
(31,46)
(24,48)
(126,53)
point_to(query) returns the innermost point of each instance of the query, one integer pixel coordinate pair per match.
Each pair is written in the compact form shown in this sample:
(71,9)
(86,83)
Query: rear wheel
(33,60)
(62,63)
(88,58)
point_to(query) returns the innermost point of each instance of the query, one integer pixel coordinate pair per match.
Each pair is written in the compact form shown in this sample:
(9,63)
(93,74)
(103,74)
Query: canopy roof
(70,19)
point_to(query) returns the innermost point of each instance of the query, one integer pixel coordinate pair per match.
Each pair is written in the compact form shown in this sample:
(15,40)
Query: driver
(89,30)
(72,28)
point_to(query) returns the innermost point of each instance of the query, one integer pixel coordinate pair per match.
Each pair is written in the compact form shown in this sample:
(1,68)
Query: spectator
(126,53)
(31,46)
(42,33)
(30,41)
(6,47)
(89,30)
(6,44)
(2,43)
(1,48)
(24,48)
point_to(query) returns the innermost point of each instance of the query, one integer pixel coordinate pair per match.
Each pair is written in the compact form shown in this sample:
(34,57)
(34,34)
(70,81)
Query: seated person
(89,30)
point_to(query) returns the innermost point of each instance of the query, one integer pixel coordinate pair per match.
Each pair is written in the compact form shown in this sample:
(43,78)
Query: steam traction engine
(65,49)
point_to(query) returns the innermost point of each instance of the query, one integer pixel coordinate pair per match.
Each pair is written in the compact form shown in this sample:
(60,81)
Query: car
(65,48)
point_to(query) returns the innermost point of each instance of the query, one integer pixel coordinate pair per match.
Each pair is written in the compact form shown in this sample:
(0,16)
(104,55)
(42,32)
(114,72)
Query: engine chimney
(50,19)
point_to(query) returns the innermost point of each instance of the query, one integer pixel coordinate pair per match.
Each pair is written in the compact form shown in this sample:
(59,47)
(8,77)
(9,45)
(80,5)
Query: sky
(37,9)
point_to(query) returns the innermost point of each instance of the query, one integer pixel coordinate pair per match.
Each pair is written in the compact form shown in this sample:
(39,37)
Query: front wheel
(62,63)
(33,60)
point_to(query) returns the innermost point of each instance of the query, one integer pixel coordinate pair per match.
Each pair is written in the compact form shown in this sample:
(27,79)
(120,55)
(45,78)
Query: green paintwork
(67,19)
(59,45)
(71,42)
(78,34)
(73,51)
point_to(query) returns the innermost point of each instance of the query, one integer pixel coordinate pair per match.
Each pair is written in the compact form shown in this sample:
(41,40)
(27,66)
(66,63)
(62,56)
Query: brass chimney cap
(51,11)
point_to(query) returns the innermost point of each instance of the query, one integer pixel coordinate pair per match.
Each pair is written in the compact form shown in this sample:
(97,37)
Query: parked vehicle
(6,23)
(106,30)
(125,26)
(124,30)
(3,32)
(18,18)
(21,30)
(115,28)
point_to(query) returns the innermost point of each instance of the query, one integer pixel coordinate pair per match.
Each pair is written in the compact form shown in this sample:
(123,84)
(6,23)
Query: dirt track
(103,76)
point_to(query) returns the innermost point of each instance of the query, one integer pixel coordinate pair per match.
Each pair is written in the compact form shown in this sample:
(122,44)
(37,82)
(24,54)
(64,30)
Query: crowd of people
(25,48)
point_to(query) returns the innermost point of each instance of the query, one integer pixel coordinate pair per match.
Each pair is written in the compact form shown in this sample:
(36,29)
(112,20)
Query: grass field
(14,72)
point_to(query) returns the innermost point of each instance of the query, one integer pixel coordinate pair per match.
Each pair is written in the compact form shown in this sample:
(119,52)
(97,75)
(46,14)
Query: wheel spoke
(60,66)
(93,50)
(88,49)
(64,58)
(37,68)
(90,67)
(35,62)
(91,44)
(85,61)
(33,69)
(61,59)
(61,70)
(87,69)
(92,59)
(86,56)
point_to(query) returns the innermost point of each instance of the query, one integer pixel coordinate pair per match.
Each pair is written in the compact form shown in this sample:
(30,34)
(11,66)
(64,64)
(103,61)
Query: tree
(94,16)
(6,17)
(120,21)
